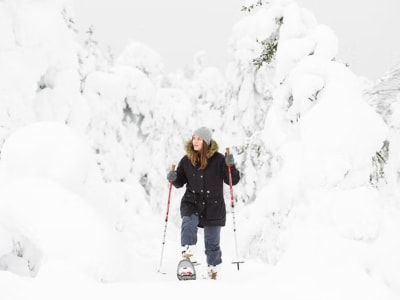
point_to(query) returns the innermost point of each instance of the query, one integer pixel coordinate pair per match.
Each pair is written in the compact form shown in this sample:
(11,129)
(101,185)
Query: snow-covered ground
(86,144)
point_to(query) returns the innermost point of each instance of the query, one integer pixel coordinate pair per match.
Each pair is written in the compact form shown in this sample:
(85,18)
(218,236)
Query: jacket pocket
(215,210)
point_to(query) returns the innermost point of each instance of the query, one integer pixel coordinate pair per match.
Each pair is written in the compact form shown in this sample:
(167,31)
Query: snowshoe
(186,270)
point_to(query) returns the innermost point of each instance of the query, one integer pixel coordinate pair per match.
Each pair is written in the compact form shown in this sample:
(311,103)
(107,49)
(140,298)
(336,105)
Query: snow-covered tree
(384,95)
(91,57)
(322,135)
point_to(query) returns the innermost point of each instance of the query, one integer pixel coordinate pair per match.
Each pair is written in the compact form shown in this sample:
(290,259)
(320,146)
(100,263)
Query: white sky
(177,29)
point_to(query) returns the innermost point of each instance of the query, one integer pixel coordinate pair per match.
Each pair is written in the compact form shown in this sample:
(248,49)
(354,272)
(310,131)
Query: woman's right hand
(171,176)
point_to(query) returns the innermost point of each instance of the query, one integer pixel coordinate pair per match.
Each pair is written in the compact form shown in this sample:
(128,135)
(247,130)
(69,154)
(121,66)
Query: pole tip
(238,263)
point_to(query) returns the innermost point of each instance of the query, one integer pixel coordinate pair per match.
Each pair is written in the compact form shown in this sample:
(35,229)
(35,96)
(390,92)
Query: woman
(203,170)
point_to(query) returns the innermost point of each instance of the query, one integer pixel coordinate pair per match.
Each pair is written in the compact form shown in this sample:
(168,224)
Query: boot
(188,252)
(212,271)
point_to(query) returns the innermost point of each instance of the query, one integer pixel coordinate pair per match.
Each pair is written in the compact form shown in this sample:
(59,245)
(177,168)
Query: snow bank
(59,225)
(48,150)
(58,214)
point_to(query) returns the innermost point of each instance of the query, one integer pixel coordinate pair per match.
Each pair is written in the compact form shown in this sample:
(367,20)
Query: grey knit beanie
(204,133)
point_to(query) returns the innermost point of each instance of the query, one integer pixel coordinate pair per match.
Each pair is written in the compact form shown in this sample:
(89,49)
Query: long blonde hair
(199,157)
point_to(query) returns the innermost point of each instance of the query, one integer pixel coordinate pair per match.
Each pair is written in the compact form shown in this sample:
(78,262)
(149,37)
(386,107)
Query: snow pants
(212,236)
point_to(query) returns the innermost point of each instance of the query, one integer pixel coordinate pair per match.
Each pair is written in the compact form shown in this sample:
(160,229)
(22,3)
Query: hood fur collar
(211,150)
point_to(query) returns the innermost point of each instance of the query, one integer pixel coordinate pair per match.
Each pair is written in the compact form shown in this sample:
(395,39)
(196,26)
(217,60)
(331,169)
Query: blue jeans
(211,238)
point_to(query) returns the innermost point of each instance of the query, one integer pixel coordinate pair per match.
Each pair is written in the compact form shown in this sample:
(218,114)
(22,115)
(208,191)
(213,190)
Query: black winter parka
(204,194)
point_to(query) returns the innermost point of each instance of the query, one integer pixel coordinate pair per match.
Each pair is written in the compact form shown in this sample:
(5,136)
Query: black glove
(171,176)
(229,160)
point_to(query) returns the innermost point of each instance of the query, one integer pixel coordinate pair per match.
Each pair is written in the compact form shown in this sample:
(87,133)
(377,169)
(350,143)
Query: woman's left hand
(229,160)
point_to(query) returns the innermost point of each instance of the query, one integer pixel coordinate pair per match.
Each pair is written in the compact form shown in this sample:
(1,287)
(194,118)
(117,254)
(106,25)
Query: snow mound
(48,150)
(43,222)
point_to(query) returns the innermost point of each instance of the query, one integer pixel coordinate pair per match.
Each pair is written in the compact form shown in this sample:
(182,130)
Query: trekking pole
(237,262)
(166,222)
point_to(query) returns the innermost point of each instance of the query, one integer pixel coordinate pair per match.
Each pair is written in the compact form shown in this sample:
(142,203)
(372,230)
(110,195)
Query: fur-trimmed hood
(211,150)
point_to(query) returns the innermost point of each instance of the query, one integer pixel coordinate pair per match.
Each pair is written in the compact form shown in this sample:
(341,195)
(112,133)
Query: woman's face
(197,142)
